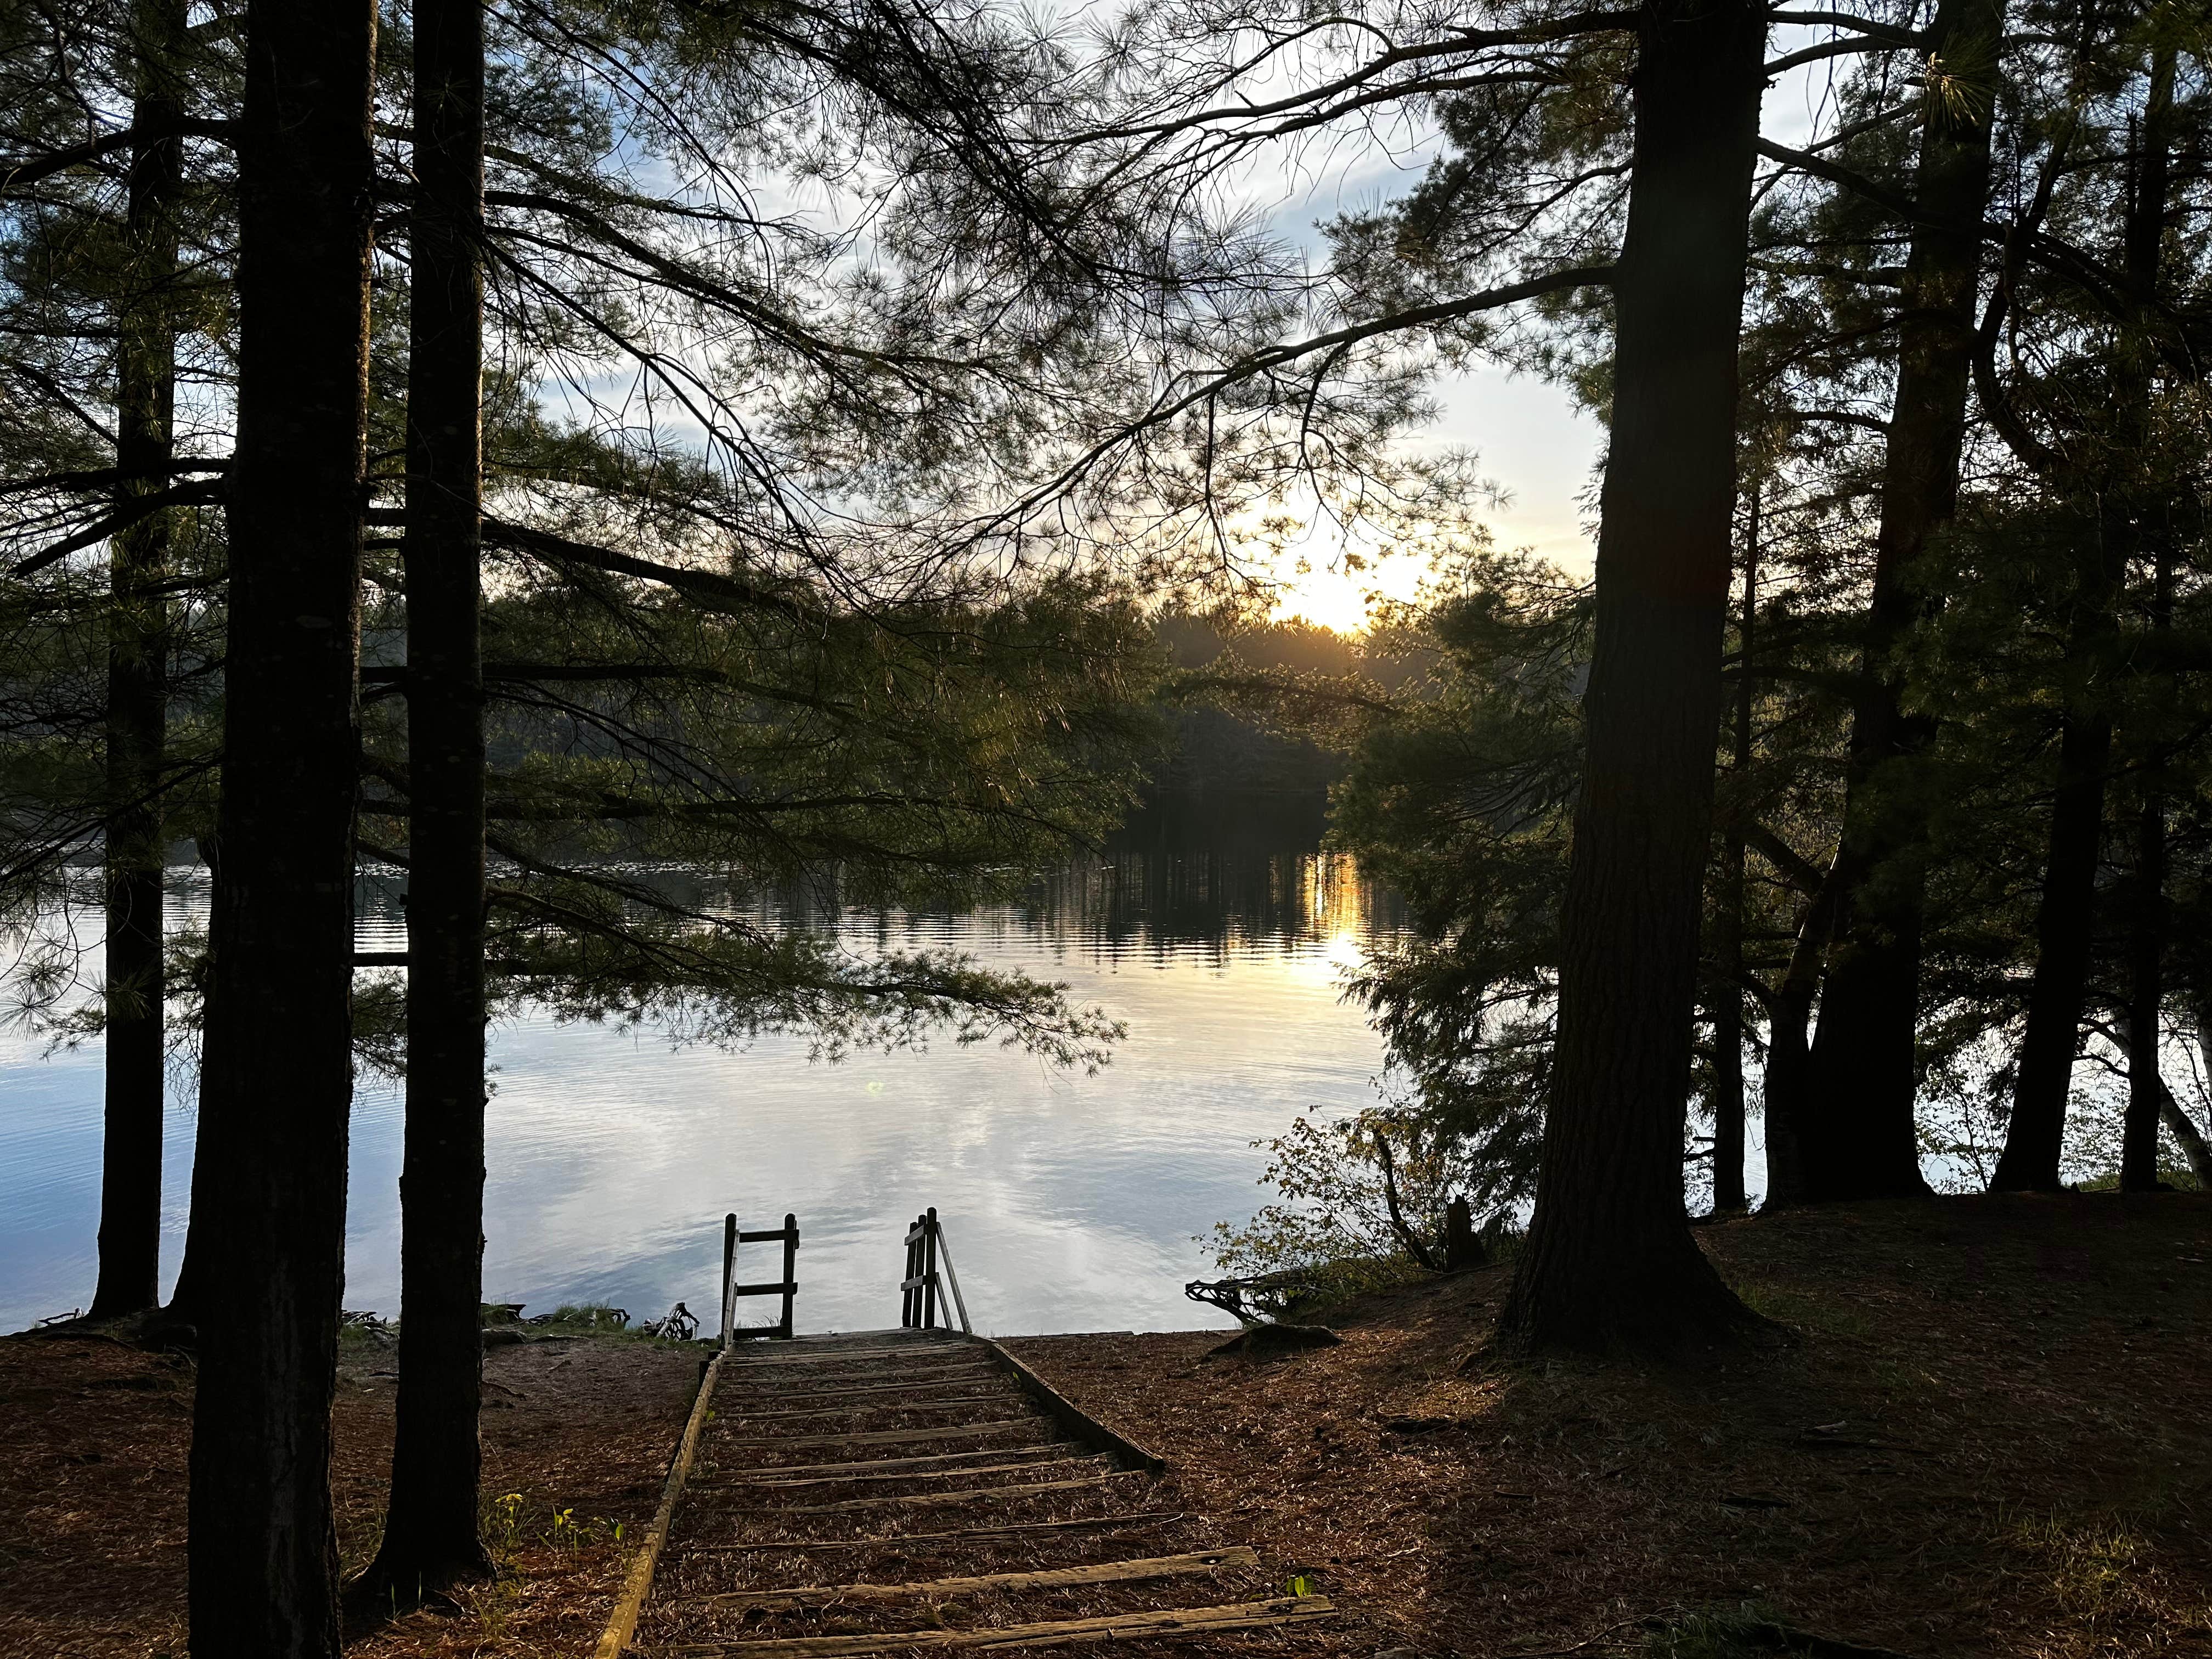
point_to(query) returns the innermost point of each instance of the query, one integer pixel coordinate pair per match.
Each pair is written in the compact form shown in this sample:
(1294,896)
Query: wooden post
(790,1266)
(952,1285)
(907,1292)
(729,1266)
(929,1269)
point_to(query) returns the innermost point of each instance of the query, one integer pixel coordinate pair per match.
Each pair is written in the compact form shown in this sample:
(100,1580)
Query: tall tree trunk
(1609,1261)
(2147,1093)
(430,1532)
(190,1292)
(2146,993)
(2065,921)
(2194,1146)
(1728,975)
(1789,1054)
(2065,918)
(2148,1097)
(275,1079)
(1727,1010)
(137,685)
(1856,1121)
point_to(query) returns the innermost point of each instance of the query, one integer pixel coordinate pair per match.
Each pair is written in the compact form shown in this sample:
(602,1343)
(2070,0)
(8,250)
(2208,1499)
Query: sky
(1529,436)
(1532,441)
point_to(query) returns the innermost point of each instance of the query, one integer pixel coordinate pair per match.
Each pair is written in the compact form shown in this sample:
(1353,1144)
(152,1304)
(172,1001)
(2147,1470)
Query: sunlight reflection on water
(1070,1201)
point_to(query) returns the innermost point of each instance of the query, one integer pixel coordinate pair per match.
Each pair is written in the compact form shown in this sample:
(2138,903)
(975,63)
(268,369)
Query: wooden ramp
(914,1489)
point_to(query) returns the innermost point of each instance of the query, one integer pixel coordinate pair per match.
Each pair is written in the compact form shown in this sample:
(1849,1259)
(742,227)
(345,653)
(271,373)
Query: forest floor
(94,1436)
(1994,1436)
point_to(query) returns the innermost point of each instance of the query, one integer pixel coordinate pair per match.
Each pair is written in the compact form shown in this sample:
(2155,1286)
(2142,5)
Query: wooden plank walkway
(896,1491)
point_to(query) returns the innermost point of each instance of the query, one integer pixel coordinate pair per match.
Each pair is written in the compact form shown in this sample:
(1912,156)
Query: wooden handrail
(919,1307)
(787,1287)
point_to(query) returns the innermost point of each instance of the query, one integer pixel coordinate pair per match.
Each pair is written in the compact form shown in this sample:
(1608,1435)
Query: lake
(1069,1202)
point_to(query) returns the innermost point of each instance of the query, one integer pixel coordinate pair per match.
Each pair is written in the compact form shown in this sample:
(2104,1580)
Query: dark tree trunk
(1856,1121)
(1609,1260)
(1728,1093)
(2148,1097)
(1462,1246)
(1728,966)
(275,1078)
(2065,933)
(2147,1093)
(177,1319)
(2195,1148)
(1789,1054)
(137,688)
(430,1532)
(2146,993)
(2066,916)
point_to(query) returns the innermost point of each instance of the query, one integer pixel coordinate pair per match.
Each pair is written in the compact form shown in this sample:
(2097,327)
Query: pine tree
(277,1069)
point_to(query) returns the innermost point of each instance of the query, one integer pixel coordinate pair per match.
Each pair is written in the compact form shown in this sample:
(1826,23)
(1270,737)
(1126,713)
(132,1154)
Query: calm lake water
(1070,1202)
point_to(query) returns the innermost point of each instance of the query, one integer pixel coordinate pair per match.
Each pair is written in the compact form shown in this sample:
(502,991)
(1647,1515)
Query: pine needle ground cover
(1993,1436)
(93,1437)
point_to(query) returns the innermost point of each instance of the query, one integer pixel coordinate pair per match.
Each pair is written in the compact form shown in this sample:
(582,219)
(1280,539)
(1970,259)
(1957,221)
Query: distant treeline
(1217,751)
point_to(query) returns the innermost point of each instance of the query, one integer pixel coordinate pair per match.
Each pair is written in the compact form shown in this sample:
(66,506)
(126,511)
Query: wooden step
(881,1364)
(899,1386)
(839,1355)
(799,1384)
(901,1334)
(975,1495)
(933,1460)
(1142,1520)
(885,1437)
(1108,1572)
(1059,1632)
(1003,1397)
(763,1484)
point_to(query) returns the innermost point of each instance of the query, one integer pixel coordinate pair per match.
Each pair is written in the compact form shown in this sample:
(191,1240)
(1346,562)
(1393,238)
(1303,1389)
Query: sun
(1334,566)
(1341,600)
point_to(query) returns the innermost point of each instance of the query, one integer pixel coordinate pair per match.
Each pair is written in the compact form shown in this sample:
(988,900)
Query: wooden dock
(919,1489)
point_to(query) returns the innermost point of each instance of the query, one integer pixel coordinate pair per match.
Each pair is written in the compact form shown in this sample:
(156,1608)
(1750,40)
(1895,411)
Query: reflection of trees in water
(1227,874)
(1224,876)
(1234,901)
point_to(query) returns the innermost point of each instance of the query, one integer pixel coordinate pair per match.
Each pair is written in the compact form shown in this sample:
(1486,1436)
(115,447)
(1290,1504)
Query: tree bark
(2194,1147)
(2147,1093)
(430,1533)
(137,686)
(2147,952)
(275,1071)
(2066,916)
(2064,932)
(178,1321)
(1855,1115)
(1609,1260)
(1727,968)
(1789,1054)
(1462,1247)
